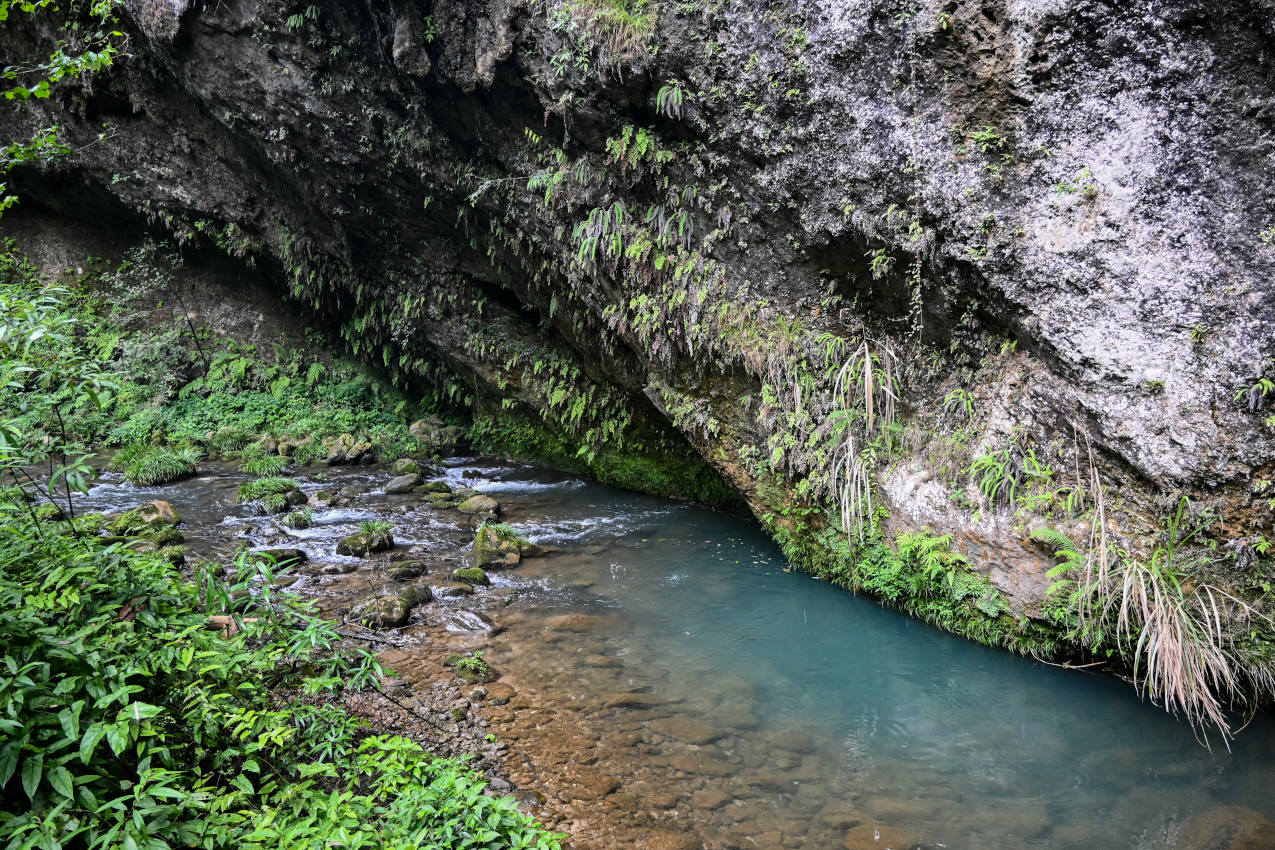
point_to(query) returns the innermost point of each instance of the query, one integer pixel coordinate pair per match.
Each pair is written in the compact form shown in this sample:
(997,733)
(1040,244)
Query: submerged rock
(470,622)
(402,570)
(631,700)
(877,836)
(1228,828)
(692,730)
(451,589)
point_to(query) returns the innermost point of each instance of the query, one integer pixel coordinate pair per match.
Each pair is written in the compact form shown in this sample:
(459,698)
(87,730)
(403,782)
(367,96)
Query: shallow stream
(675,686)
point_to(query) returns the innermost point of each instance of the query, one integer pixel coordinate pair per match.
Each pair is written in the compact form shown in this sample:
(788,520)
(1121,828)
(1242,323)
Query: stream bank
(664,682)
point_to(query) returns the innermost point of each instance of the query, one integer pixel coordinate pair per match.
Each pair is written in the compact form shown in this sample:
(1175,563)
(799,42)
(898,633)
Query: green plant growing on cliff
(864,395)
(621,30)
(959,401)
(99,45)
(1167,621)
(668,101)
(1255,395)
(308,15)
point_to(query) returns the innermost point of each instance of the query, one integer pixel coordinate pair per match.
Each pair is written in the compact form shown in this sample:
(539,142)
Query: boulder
(403,570)
(405,466)
(166,537)
(480,504)
(435,487)
(451,589)
(421,429)
(471,575)
(382,612)
(391,610)
(365,543)
(152,516)
(403,483)
(499,545)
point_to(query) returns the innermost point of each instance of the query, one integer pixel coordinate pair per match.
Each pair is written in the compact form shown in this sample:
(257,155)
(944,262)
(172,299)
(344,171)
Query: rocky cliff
(977,268)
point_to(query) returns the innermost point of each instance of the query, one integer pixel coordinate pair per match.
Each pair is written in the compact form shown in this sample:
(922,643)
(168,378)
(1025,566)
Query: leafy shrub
(375,526)
(229,440)
(137,726)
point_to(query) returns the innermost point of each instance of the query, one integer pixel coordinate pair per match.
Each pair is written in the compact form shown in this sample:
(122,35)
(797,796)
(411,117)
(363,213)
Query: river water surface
(674,685)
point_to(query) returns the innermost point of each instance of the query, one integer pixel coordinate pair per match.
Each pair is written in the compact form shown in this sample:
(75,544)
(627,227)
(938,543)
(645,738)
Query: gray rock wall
(1065,208)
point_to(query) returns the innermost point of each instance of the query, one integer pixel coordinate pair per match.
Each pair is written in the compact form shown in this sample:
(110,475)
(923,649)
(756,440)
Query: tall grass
(1175,629)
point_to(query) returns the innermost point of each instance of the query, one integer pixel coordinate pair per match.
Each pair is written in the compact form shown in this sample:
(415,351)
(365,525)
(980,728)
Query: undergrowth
(127,723)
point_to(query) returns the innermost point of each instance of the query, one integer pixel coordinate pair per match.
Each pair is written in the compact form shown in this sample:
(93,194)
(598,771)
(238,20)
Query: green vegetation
(274,494)
(135,725)
(150,465)
(670,471)
(471,667)
(255,461)
(303,518)
(1192,646)
(163,395)
(920,575)
(142,710)
(376,526)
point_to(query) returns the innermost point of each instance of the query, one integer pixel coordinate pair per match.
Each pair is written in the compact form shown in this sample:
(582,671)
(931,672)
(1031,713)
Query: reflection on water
(673,675)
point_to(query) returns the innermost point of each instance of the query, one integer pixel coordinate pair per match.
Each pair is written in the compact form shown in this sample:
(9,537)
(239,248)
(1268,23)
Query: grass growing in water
(303,518)
(147,466)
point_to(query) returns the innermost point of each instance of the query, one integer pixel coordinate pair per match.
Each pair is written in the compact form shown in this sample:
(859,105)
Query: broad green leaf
(60,779)
(32,770)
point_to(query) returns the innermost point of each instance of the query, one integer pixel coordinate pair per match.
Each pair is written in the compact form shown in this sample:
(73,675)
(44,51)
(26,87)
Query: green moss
(471,575)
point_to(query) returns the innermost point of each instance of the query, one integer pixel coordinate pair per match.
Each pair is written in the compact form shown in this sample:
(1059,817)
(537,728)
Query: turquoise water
(831,720)
(956,744)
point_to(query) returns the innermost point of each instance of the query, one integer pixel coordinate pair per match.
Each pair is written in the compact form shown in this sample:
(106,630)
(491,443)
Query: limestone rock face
(1061,210)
